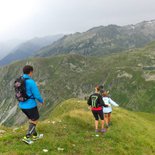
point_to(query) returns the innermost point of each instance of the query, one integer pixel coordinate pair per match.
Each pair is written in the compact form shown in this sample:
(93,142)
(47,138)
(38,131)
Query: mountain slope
(70,130)
(129,76)
(28,49)
(103,40)
(7,46)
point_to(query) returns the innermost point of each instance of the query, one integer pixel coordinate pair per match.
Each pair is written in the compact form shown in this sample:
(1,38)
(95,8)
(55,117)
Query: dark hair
(101,87)
(27,69)
(102,91)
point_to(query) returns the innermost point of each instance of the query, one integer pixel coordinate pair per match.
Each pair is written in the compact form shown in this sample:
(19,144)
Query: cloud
(68,16)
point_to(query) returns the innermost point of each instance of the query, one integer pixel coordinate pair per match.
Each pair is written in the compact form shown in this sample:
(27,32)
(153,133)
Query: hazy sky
(25,19)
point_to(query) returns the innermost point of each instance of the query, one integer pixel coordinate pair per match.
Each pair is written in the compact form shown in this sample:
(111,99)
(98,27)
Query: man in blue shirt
(29,107)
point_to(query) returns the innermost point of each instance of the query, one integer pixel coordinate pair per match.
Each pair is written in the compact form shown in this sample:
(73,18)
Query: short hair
(27,69)
(101,87)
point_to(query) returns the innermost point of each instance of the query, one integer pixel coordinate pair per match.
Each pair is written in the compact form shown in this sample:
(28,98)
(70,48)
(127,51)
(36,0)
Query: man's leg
(96,120)
(96,125)
(102,119)
(100,113)
(33,116)
(102,124)
(31,129)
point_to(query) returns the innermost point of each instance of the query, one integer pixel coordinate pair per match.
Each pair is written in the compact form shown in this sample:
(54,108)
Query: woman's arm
(113,102)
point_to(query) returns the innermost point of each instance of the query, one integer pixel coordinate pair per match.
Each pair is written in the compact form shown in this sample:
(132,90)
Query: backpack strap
(30,97)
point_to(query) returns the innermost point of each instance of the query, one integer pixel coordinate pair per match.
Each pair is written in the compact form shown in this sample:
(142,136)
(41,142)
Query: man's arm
(36,92)
(113,102)
(89,101)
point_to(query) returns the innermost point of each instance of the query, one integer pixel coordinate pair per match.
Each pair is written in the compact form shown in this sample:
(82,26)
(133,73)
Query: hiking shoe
(103,130)
(27,140)
(39,136)
(96,130)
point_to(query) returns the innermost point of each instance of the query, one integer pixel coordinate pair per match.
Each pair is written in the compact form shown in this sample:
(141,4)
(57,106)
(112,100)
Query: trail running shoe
(27,140)
(103,130)
(96,130)
(39,136)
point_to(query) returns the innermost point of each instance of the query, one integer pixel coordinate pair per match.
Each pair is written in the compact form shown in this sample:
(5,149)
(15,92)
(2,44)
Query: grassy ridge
(70,130)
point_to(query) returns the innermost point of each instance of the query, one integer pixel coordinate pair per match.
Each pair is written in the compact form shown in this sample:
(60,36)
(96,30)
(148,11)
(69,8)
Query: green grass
(71,126)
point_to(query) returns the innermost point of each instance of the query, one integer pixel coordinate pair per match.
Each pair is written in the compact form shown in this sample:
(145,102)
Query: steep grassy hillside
(130,77)
(69,129)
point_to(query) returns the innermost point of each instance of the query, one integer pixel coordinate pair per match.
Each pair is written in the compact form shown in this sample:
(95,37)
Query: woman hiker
(107,110)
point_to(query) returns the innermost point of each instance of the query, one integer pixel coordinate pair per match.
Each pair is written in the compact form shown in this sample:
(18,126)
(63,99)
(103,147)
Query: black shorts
(97,114)
(32,114)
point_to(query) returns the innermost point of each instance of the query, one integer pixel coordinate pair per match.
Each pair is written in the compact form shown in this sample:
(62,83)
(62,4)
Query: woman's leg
(106,119)
(109,118)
